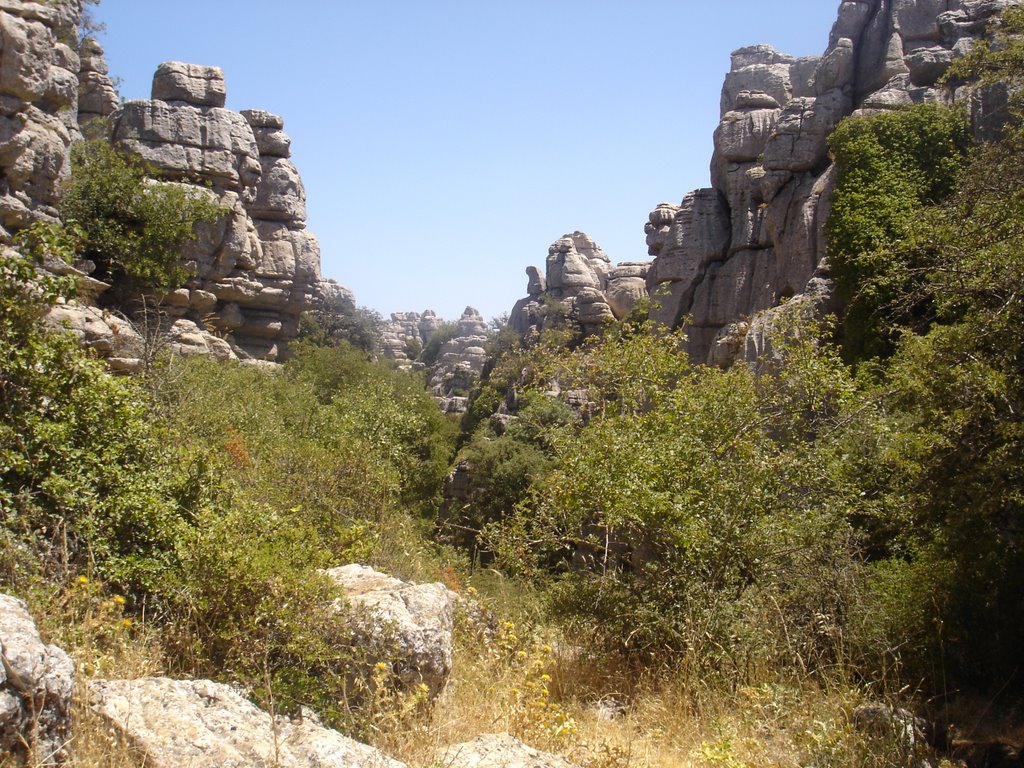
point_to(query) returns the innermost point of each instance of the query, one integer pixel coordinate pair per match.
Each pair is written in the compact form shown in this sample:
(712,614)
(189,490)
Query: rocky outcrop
(257,268)
(202,724)
(498,751)
(461,359)
(39,68)
(755,238)
(411,623)
(454,366)
(406,333)
(97,97)
(581,284)
(36,683)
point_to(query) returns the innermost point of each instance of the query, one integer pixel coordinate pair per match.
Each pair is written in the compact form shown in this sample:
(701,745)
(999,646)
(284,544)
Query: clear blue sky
(444,144)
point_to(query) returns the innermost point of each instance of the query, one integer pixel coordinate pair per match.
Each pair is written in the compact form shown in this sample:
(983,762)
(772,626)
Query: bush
(86,483)
(134,228)
(890,167)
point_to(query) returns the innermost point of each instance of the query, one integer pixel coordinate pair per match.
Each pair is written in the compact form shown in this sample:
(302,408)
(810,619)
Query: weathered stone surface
(97,97)
(627,285)
(25,56)
(280,195)
(498,751)
(193,84)
(685,239)
(742,134)
(580,278)
(202,724)
(417,617)
(211,144)
(101,331)
(927,65)
(36,683)
(568,267)
(771,174)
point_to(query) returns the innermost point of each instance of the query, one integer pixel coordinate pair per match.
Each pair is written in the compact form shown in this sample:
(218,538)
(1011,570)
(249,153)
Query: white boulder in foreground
(36,683)
(202,724)
(415,619)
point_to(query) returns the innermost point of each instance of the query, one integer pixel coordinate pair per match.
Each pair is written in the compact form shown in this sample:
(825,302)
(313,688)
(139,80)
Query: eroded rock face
(36,683)
(39,87)
(202,724)
(460,361)
(97,97)
(498,751)
(417,618)
(257,268)
(580,281)
(756,237)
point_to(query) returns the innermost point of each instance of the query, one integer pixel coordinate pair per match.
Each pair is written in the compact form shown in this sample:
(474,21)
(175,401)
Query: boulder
(498,751)
(202,724)
(36,684)
(280,195)
(193,84)
(417,619)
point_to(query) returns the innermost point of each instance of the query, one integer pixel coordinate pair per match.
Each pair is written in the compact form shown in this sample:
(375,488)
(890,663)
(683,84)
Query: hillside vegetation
(680,565)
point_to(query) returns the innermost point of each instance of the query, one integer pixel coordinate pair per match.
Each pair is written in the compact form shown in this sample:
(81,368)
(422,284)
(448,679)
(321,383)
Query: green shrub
(134,228)
(890,166)
(85,481)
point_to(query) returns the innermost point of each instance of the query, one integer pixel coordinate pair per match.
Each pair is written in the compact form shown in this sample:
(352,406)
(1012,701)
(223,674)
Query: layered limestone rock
(412,623)
(257,268)
(455,368)
(97,97)
(579,282)
(36,683)
(39,84)
(202,724)
(406,333)
(755,238)
(460,362)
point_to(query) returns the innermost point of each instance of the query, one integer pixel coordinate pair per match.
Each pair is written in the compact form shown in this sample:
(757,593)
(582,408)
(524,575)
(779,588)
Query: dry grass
(600,715)
(91,626)
(525,681)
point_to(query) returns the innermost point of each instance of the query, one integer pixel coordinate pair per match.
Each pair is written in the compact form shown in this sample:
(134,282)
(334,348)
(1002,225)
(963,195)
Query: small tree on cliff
(134,228)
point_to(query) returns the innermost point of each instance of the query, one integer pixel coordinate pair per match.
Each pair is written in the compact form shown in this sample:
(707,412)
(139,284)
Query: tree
(134,227)
(890,167)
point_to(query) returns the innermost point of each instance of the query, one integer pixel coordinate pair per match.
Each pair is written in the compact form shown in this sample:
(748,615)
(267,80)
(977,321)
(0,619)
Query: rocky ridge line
(727,255)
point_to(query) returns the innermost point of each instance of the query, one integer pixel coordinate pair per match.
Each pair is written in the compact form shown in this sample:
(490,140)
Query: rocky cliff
(454,366)
(253,272)
(580,282)
(727,258)
(39,104)
(755,238)
(257,268)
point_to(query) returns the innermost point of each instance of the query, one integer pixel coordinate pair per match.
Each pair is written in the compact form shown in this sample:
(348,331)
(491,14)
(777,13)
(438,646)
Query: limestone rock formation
(460,361)
(456,368)
(406,332)
(257,268)
(498,751)
(579,280)
(39,86)
(36,683)
(97,97)
(202,724)
(417,618)
(756,237)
